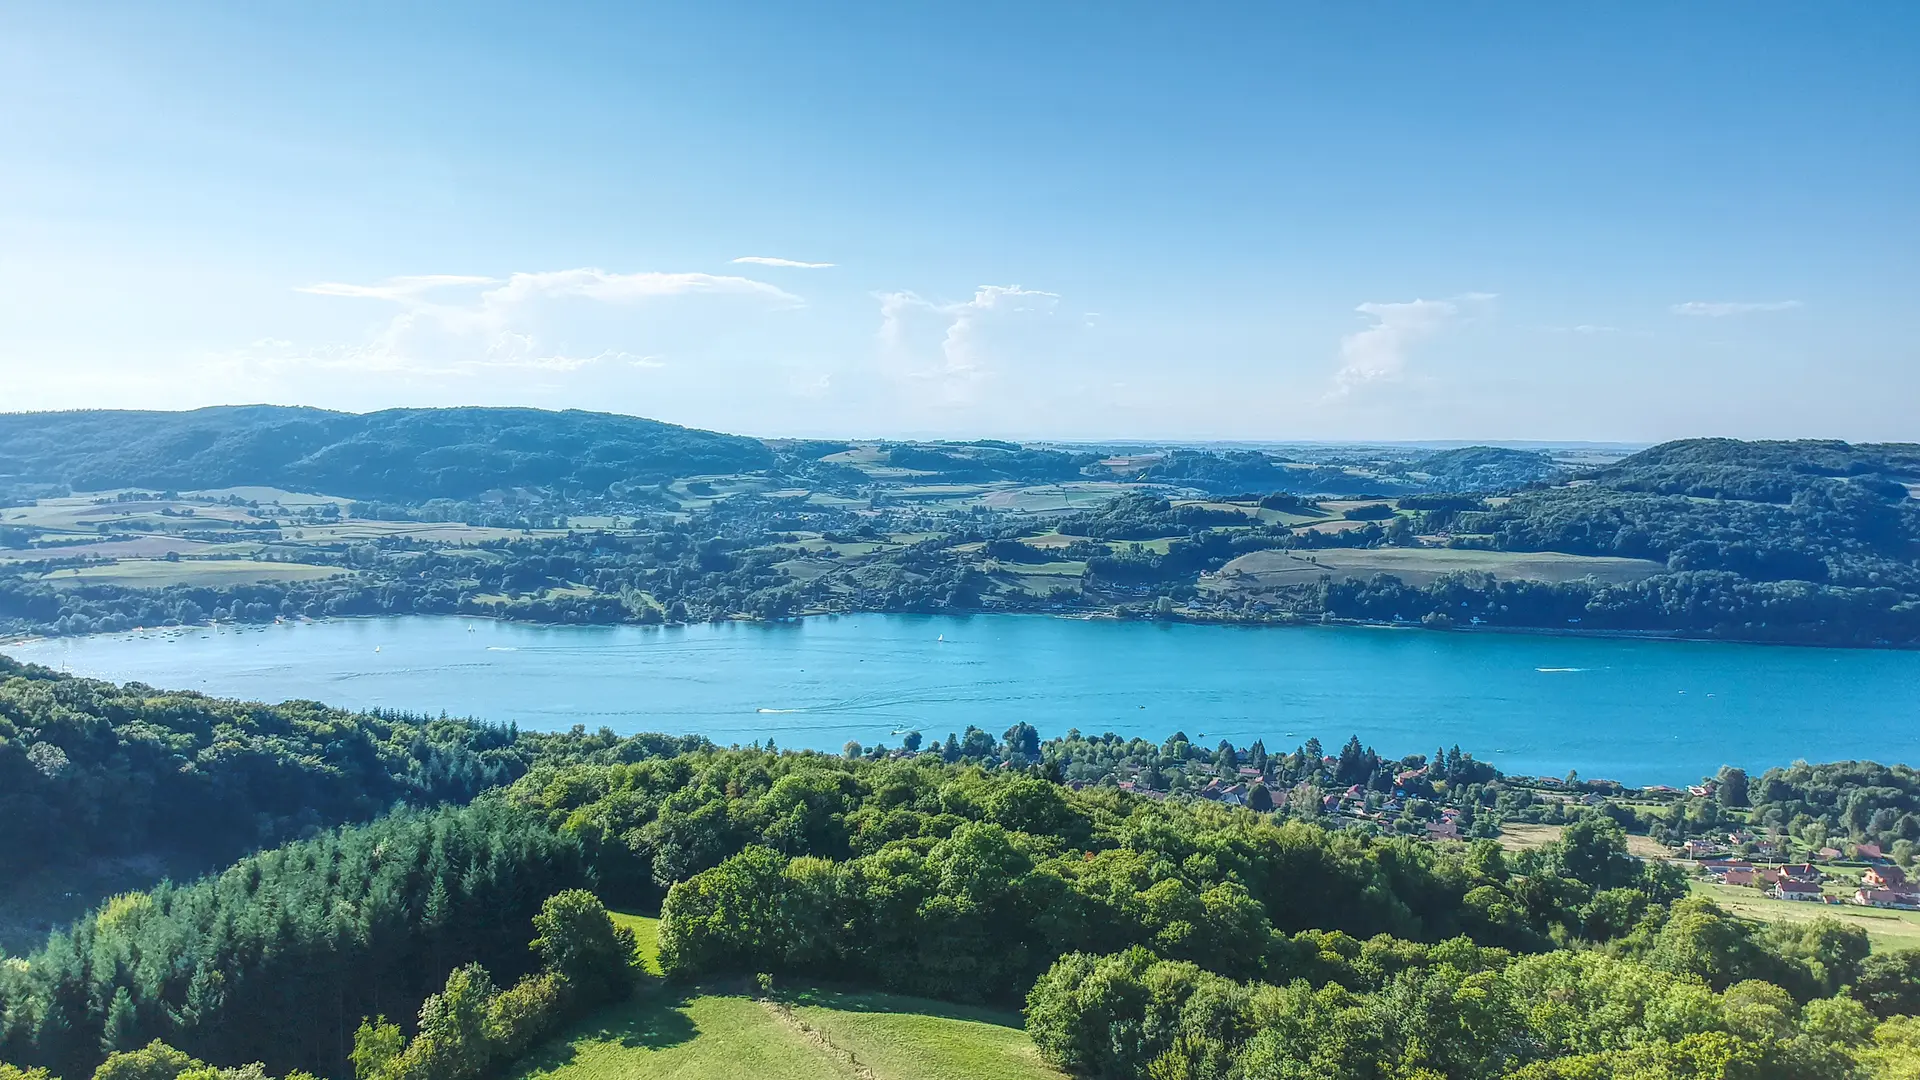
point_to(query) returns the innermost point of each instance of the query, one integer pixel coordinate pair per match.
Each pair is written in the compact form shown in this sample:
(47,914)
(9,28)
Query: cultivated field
(1045,498)
(138,547)
(158,573)
(1418,566)
(1519,836)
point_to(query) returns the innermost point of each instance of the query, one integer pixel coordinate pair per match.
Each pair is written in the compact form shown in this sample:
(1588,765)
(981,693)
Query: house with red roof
(1796,890)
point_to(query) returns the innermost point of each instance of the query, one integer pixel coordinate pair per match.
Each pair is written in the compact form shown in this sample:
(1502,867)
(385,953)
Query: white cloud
(972,335)
(399,289)
(1720,309)
(1379,353)
(599,285)
(468,325)
(791,264)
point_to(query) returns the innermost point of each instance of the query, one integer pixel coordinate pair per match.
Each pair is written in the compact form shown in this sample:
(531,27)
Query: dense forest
(94,768)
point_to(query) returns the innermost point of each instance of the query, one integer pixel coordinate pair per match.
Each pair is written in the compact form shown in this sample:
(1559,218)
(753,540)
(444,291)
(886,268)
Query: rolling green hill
(398,454)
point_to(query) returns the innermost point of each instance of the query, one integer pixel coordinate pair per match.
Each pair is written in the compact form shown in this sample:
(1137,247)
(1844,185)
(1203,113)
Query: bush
(579,942)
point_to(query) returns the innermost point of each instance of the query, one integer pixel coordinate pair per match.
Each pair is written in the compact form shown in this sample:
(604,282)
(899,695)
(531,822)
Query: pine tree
(120,1032)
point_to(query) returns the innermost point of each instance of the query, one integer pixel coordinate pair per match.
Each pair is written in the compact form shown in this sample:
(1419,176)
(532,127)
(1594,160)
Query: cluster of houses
(1353,803)
(1795,881)
(1886,885)
(1763,846)
(1882,884)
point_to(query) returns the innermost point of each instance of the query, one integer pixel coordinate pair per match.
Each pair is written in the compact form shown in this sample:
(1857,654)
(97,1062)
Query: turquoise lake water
(1636,711)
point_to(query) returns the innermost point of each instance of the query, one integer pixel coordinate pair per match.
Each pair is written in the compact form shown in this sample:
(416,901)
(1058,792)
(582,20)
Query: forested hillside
(94,768)
(398,454)
(1147,938)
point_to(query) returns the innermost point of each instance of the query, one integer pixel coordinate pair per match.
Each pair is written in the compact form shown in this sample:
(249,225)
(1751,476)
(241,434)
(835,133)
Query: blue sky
(1382,221)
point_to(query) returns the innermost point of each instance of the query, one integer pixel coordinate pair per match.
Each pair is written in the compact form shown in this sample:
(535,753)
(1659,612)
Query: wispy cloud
(609,288)
(792,264)
(1720,309)
(399,289)
(464,325)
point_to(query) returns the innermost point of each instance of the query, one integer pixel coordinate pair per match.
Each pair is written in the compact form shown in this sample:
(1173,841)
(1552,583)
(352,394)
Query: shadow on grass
(655,1018)
(873,1001)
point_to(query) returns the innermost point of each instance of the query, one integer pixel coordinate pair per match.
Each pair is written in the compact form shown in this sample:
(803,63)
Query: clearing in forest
(800,1035)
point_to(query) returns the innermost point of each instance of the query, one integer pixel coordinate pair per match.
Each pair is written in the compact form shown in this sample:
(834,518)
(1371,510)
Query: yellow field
(137,547)
(1418,566)
(427,531)
(269,496)
(1047,498)
(1519,836)
(158,574)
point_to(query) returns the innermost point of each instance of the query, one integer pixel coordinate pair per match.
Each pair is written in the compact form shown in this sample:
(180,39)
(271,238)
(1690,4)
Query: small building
(1804,872)
(1796,890)
(1887,898)
(1828,854)
(1869,852)
(1739,875)
(1443,830)
(1885,877)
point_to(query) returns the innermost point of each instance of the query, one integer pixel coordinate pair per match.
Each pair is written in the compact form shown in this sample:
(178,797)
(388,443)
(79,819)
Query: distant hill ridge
(405,454)
(1766,470)
(411,455)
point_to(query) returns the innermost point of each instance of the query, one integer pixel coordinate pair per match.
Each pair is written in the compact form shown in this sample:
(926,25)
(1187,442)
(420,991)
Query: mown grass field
(1887,929)
(1520,835)
(710,1034)
(1418,566)
(138,547)
(1054,498)
(646,937)
(158,573)
(721,1036)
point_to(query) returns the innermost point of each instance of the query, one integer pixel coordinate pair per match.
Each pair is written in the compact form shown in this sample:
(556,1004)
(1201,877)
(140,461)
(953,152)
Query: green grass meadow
(713,1033)
(1886,928)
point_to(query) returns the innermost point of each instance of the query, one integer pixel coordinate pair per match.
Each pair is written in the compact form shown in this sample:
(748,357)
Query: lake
(1631,710)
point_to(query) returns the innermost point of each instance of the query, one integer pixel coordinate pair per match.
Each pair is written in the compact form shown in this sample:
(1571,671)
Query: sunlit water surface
(1636,711)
